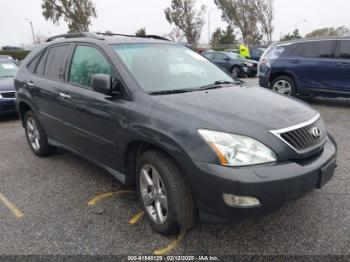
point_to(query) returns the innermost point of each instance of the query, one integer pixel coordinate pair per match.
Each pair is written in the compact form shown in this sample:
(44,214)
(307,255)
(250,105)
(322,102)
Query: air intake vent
(8,95)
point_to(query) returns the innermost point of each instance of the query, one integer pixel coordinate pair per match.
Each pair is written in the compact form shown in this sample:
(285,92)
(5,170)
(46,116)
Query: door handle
(294,61)
(30,84)
(65,96)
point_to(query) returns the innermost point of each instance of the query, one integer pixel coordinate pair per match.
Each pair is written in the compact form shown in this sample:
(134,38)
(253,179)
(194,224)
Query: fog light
(240,201)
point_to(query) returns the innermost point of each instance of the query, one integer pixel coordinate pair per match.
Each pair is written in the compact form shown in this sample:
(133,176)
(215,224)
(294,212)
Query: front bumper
(7,106)
(251,71)
(274,185)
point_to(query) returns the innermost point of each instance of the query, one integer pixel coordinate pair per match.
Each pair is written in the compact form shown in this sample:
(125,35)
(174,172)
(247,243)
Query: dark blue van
(319,67)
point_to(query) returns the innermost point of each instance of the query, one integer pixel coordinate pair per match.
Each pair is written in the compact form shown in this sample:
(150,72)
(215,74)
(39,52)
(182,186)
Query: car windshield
(7,69)
(166,67)
(234,55)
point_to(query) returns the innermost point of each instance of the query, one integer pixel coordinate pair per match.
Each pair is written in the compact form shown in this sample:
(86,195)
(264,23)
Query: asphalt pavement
(44,207)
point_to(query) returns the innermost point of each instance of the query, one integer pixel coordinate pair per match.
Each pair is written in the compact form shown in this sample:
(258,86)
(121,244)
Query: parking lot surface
(44,207)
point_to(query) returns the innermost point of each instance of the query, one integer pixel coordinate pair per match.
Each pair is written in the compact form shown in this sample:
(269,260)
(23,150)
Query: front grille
(8,95)
(306,137)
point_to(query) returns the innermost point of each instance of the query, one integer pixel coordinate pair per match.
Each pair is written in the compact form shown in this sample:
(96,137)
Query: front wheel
(284,85)
(236,71)
(165,194)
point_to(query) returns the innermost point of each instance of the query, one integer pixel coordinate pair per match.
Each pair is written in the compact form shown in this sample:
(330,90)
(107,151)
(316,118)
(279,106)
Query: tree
(295,35)
(141,32)
(228,38)
(176,35)
(77,13)
(329,31)
(265,17)
(216,37)
(190,21)
(244,15)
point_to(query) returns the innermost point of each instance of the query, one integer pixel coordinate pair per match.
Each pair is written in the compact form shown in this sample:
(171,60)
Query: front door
(342,84)
(90,115)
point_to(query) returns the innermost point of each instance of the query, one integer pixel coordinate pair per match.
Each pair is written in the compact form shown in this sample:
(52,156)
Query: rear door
(46,85)
(222,61)
(91,115)
(315,65)
(342,82)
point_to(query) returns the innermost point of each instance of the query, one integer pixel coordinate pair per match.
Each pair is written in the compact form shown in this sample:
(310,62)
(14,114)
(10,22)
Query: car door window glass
(56,62)
(219,57)
(32,64)
(344,49)
(88,61)
(317,49)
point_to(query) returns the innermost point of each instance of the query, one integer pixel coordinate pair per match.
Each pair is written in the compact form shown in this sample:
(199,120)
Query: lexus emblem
(316,132)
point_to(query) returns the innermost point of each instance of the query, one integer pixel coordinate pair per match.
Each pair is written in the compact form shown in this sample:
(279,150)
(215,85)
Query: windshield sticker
(8,66)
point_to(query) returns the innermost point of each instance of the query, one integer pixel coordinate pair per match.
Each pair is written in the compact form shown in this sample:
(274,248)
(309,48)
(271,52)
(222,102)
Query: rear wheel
(284,85)
(165,194)
(36,136)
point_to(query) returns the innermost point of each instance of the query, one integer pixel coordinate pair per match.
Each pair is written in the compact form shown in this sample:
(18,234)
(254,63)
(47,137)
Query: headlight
(248,64)
(237,150)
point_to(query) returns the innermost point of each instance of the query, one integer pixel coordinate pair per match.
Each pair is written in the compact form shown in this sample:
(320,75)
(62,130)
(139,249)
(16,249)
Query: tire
(36,136)
(251,75)
(236,71)
(289,84)
(180,213)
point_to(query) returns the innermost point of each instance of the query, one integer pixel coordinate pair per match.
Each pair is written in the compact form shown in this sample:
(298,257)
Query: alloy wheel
(153,194)
(283,87)
(33,134)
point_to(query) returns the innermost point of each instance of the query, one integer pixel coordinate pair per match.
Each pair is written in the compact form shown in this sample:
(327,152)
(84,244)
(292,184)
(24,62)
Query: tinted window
(316,49)
(32,65)
(56,62)
(88,61)
(219,56)
(344,49)
(40,68)
(209,56)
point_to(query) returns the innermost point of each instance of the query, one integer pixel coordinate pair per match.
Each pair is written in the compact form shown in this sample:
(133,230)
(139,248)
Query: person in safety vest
(244,51)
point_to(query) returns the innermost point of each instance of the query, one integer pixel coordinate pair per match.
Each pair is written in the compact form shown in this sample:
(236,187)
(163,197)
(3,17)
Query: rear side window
(88,61)
(344,49)
(209,56)
(316,49)
(219,57)
(41,66)
(32,64)
(56,62)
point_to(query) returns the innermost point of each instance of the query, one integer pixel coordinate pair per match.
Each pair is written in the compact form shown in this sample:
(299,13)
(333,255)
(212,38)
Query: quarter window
(40,68)
(344,49)
(88,61)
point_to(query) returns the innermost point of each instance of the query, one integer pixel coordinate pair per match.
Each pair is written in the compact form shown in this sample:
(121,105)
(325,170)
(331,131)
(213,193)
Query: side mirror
(104,84)
(227,59)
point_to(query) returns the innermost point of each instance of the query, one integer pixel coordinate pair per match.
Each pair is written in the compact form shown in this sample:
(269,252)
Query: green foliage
(184,15)
(17,54)
(294,36)
(76,13)
(223,37)
(329,31)
(141,32)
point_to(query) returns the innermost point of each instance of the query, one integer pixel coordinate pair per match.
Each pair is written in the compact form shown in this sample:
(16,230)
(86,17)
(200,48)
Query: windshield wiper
(219,84)
(175,91)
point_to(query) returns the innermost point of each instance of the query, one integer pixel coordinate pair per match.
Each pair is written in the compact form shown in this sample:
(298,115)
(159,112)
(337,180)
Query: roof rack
(146,36)
(74,35)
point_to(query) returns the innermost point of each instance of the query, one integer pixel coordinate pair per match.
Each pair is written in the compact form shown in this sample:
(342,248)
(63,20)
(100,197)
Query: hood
(238,108)
(7,84)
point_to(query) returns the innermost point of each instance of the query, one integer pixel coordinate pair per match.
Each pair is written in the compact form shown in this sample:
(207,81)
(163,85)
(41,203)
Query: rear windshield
(164,67)
(7,69)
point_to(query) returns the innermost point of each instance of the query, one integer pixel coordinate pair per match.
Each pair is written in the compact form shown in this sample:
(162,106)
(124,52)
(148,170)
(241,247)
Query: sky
(126,16)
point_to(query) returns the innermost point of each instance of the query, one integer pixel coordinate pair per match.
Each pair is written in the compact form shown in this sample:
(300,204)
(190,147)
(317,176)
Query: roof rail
(75,35)
(146,36)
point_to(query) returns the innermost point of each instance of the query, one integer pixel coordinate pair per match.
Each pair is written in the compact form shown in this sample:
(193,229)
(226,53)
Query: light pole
(32,28)
(209,33)
(299,22)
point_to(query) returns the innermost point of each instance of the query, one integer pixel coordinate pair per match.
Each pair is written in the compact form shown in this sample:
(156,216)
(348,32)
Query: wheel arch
(23,108)
(274,75)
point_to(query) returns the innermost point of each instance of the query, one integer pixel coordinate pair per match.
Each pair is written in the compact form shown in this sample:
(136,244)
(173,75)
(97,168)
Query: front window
(165,67)
(7,69)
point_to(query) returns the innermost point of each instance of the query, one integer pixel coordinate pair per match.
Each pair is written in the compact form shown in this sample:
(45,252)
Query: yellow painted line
(101,197)
(11,206)
(173,244)
(136,218)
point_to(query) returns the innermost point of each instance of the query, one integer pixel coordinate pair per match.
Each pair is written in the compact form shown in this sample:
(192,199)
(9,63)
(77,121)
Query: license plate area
(327,172)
